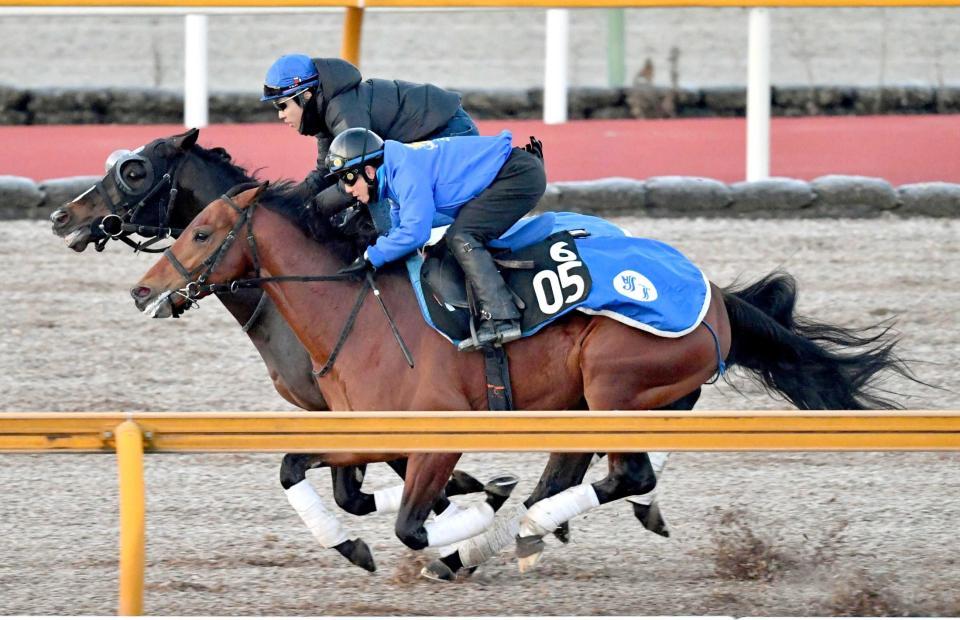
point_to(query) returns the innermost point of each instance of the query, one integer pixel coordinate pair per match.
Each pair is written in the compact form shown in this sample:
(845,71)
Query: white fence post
(195,96)
(555,74)
(758,96)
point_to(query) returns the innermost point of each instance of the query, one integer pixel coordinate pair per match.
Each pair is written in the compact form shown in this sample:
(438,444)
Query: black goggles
(274,91)
(348,178)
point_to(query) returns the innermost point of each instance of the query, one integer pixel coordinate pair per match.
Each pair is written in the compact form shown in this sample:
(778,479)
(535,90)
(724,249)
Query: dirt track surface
(835,533)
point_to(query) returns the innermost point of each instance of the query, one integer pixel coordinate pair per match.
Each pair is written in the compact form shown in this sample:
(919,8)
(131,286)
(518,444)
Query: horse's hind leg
(630,474)
(323,524)
(645,507)
(561,472)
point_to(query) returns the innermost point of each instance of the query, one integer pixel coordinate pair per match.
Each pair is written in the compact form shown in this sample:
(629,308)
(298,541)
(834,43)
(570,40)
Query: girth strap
(497,371)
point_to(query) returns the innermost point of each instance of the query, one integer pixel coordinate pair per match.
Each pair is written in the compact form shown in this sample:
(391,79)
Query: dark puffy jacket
(393,109)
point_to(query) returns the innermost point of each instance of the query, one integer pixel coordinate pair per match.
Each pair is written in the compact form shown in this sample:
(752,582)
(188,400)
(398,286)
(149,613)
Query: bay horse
(580,361)
(161,190)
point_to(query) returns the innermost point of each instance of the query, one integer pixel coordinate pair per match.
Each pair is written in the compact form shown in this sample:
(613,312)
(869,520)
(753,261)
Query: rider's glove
(357,268)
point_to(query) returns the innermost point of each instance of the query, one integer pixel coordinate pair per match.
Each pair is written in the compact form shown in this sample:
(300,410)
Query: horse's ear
(251,194)
(185,141)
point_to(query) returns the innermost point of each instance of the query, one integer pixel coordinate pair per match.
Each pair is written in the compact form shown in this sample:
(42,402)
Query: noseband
(119,224)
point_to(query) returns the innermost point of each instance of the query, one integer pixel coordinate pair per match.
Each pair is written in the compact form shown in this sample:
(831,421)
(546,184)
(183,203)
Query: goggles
(275,92)
(281,104)
(348,178)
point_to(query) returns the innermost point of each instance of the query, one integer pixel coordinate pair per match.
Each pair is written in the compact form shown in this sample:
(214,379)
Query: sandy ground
(493,49)
(831,533)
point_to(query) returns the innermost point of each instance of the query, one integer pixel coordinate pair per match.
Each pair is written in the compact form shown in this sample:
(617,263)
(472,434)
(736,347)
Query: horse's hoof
(562,533)
(499,489)
(438,571)
(462,483)
(526,562)
(358,553)
(651,518)
(501,485)
(529,550)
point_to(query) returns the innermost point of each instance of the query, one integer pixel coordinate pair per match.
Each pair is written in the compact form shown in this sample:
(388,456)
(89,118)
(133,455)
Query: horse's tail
(814,365)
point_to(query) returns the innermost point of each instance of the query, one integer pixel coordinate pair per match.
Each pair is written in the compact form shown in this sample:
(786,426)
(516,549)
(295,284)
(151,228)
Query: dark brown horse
(581,361)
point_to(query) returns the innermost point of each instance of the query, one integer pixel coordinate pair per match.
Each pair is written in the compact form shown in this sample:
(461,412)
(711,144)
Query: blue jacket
(434,178)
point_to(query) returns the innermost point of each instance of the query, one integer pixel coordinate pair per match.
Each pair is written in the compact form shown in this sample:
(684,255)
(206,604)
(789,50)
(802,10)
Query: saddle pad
(644,283)
(639,282)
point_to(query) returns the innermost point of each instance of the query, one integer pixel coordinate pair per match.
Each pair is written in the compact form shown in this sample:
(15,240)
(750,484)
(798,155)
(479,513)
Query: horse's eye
(201,236)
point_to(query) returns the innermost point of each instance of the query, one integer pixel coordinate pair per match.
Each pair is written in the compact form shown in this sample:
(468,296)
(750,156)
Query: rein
(194,288)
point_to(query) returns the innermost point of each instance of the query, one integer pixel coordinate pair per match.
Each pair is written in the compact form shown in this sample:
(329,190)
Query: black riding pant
(513,193)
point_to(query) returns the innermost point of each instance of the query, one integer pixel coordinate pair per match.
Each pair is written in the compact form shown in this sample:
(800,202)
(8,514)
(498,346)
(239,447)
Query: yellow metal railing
(130,435)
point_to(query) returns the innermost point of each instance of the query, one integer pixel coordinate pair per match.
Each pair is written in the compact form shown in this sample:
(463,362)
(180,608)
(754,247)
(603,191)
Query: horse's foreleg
(346,490)
(630,474)
(324,525)
(561,472)
(427,475)
(347,483)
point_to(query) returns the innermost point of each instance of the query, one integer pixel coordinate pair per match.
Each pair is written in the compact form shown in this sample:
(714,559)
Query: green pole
(616,50)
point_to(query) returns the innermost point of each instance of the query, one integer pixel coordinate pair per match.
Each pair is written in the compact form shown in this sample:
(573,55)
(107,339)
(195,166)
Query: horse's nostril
(140,292)
(59,217)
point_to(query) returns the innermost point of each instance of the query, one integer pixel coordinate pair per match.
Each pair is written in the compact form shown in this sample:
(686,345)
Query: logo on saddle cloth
(634,285)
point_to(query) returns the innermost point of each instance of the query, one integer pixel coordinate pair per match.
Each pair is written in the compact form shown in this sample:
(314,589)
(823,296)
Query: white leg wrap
(323,525)
(546,515)
(479,549)
(459,526)
(450,511)
(388,500)
(658,460)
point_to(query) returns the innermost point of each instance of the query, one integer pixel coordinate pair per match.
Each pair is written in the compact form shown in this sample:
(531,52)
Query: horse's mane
(219,155)
(283,198)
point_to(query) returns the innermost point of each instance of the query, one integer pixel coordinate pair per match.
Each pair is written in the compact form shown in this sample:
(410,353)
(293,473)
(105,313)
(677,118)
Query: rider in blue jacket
(482,185)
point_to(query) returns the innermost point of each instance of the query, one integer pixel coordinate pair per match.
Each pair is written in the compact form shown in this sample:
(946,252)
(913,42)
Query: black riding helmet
(350,151)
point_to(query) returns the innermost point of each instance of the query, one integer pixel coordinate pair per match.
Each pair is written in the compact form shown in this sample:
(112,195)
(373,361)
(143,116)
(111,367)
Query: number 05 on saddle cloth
(560,262)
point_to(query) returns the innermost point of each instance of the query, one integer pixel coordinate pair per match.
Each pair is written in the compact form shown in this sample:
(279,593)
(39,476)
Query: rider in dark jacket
(331,96)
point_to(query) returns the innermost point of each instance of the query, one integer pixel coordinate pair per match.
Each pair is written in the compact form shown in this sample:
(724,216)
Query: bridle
(119,224)
(196,278)
(196,282)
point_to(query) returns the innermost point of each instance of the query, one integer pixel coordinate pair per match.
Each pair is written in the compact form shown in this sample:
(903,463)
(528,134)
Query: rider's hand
(357,268)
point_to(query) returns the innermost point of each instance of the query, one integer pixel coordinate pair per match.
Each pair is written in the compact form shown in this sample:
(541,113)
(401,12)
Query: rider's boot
(500,318)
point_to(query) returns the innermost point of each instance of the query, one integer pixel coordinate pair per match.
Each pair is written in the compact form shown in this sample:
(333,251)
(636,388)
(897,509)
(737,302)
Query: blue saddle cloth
(640,282)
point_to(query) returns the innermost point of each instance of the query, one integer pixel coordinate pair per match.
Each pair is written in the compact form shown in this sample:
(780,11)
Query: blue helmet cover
(288,75)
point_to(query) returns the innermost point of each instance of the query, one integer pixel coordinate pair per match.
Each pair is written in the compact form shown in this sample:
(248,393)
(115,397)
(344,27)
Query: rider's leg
(513,193)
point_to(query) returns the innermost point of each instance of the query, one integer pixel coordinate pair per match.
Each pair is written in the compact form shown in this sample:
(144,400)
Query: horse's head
(205,254)
(136,187)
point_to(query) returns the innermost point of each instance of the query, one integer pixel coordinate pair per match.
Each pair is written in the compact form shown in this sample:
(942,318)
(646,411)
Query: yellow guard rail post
(133,524)
(352,32)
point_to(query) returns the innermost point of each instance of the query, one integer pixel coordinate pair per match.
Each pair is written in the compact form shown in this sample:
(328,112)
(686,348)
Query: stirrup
(503,331)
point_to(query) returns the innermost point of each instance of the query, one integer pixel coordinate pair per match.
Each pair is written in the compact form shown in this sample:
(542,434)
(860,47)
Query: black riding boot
(499,316)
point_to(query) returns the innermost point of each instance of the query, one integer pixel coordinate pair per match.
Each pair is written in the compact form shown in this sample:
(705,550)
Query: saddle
(547,280)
